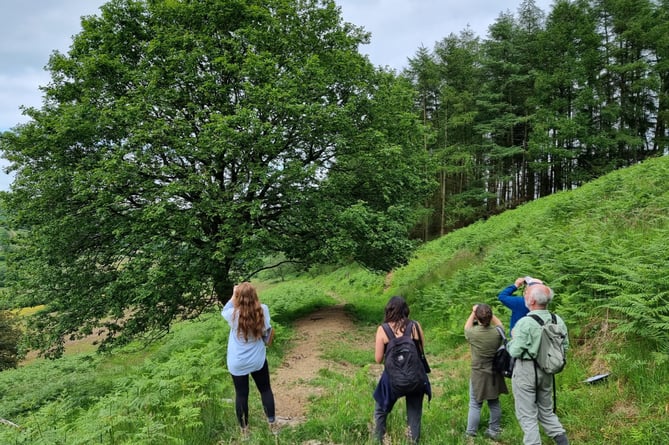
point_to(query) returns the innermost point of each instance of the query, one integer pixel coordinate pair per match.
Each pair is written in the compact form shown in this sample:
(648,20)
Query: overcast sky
(30,30)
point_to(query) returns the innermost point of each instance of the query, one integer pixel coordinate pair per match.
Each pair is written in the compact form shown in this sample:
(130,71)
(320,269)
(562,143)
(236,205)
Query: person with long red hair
(250,333)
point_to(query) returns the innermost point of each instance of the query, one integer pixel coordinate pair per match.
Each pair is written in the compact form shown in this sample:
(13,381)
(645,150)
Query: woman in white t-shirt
(250,332)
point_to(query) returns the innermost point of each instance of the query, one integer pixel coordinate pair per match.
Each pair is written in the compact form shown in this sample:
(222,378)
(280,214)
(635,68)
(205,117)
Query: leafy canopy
(181,143)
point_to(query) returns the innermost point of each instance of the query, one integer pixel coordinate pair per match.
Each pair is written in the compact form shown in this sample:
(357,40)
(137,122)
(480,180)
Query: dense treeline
(544,103)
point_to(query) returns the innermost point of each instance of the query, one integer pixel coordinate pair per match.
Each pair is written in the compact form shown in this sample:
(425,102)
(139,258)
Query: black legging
(241,382)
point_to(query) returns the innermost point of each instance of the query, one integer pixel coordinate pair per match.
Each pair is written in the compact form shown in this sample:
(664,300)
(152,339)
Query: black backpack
(402,363)
(502,362)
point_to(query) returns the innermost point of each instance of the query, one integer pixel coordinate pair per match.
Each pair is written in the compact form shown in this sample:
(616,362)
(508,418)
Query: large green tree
(182,143)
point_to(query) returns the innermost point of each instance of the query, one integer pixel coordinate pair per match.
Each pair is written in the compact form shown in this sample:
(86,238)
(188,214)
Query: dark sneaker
(492,434)
(561,439)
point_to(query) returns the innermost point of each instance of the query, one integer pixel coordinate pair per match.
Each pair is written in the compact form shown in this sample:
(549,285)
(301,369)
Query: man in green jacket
(533,392)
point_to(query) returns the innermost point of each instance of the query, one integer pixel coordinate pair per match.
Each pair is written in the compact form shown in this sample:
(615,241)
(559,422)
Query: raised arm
(472,316)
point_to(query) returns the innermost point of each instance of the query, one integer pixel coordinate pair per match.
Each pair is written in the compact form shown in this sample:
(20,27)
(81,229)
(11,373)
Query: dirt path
(290,383)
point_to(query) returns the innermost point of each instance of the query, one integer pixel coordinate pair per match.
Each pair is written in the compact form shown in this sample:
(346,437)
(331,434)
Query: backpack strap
(501,333)
(408,328)
(539,320)
(554,320)
(419,342)
(419,345)
(389,332)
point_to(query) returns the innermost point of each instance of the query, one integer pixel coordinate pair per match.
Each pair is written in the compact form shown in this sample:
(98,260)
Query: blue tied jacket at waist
(384,396)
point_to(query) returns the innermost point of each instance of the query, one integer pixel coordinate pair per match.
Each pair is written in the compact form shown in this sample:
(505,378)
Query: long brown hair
(249,313)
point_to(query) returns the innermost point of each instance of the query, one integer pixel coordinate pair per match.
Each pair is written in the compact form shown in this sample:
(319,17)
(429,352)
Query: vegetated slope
(602,248)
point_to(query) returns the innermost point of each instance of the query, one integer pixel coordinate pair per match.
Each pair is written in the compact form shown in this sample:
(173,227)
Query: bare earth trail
(290,382)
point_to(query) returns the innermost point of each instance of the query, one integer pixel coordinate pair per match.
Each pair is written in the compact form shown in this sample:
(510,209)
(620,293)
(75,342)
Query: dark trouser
(414,413)
(241,382)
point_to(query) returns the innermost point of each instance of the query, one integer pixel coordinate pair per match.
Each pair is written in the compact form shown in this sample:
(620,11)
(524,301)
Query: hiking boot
(561,439)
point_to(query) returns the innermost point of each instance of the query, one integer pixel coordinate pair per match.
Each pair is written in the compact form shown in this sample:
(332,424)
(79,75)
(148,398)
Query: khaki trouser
(534,402)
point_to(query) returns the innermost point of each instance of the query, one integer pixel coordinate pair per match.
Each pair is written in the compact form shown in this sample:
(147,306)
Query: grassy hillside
(603,248)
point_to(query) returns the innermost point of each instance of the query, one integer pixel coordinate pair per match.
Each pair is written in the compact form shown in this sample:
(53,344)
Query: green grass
(603,248)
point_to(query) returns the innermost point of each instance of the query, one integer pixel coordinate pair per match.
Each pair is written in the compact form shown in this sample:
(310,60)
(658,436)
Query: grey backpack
(551,357)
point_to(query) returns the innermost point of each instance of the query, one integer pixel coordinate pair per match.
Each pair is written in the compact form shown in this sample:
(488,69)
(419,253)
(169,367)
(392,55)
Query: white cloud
(20,90)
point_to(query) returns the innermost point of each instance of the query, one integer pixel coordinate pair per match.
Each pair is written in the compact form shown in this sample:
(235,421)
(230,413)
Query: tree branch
(249,276)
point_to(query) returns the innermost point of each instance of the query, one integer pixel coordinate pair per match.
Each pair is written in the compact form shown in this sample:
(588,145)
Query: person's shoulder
(559,319)
(417,326)
(476,329)
(524,321)
(227,308)
(381,334)
(489,330)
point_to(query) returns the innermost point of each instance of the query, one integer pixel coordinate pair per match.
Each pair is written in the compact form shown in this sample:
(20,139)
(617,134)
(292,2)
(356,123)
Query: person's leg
(547,418)
(474,416)
(241,384)
(495,423)
(414,414)
(524,398)
(261,378)
(380,416)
